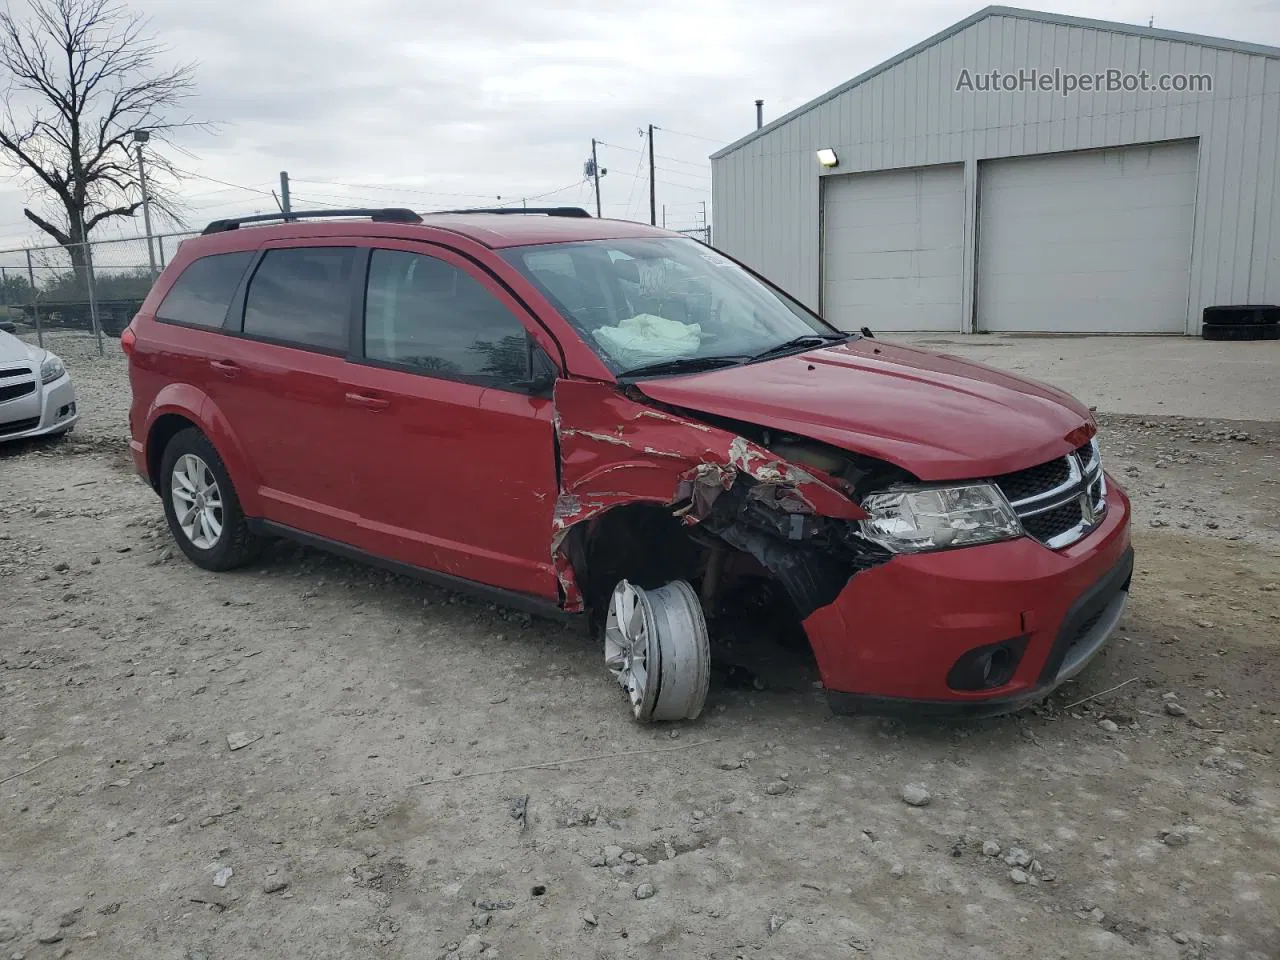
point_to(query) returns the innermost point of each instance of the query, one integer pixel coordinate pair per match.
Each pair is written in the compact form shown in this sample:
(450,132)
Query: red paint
(484,484)
(938,417)
(614,450)
(896,629)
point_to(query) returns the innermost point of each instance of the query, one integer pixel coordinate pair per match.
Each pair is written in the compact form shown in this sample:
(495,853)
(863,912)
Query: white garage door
(1096,242)
(893,245)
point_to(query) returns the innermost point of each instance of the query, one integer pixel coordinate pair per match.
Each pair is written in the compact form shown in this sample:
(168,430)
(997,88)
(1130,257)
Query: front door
(458,470)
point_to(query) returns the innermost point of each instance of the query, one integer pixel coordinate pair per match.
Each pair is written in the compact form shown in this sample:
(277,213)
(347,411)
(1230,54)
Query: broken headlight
(911,520)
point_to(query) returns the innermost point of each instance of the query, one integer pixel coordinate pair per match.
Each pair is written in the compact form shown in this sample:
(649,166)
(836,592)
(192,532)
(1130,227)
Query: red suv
(578,415)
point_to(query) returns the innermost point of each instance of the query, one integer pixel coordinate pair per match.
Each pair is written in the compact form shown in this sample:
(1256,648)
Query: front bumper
(892,637)
(51,408)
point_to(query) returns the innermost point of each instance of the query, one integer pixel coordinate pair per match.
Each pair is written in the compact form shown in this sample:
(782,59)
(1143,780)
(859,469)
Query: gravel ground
(312,758)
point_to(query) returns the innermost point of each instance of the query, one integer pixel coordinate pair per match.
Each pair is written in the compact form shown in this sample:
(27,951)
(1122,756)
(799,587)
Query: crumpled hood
(13,350)
(939,417)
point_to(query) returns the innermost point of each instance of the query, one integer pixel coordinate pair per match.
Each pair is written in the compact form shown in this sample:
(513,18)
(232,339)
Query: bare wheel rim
(197,501)
(657,649)
(630,652)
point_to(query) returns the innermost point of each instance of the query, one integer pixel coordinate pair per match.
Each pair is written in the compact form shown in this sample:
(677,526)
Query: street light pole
(140,137)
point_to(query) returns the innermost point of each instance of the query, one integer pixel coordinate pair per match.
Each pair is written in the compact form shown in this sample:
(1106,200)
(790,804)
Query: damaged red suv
(577,415)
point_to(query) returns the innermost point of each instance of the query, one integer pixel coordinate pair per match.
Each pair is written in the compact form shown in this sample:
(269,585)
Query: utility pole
(664,216)
(140,137)
(595,175)
(706,227)
(285,207)
(653,191)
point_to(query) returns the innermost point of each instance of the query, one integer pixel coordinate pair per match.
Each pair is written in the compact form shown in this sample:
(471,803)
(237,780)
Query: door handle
(227,368)
(368,400)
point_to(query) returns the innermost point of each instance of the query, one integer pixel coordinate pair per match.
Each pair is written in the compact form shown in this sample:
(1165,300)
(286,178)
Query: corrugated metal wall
(766,193)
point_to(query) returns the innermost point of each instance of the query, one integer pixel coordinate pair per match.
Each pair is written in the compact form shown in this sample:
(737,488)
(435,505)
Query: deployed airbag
(646,338)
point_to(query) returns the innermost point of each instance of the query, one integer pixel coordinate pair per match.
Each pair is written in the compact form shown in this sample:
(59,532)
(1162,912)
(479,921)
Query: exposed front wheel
(656,647)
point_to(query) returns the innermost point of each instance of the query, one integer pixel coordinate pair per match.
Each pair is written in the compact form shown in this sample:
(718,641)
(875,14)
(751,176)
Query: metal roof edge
(1154,33)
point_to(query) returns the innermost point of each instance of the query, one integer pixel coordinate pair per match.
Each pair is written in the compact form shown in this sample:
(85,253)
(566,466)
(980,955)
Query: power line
(703,188)
(660,156)
(540,196)
(224,183)
(635,177)
(691,136)
(394,188)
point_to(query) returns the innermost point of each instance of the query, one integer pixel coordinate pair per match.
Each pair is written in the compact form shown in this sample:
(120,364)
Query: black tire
(236,544)
(1241,331)
(1234,316)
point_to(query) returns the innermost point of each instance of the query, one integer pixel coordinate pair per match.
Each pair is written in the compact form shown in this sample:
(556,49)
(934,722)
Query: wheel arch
(181,405)
(642,541)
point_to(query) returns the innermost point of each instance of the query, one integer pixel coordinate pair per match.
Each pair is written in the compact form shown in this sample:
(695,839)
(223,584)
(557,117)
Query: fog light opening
(987,668)
(997,670)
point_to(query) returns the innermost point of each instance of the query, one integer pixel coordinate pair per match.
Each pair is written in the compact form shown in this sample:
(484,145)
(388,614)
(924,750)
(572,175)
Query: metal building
(1029,207)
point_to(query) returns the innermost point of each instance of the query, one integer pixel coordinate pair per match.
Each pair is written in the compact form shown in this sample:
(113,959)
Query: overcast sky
(438,103)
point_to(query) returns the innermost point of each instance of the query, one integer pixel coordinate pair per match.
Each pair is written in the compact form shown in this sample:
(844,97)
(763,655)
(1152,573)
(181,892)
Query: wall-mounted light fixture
(827,157)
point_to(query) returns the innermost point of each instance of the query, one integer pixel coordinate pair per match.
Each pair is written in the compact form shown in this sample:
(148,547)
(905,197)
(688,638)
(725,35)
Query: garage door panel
(1087,242)
(1091,287)
(893,249)
(1102,255)
(913,290)
(1045,313)
(874,211)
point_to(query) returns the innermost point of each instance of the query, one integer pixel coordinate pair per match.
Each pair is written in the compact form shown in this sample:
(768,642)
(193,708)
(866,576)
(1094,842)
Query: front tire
(656,647)
(201,505)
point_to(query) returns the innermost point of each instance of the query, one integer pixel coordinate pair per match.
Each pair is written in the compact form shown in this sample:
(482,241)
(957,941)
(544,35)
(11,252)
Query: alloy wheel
(197,501)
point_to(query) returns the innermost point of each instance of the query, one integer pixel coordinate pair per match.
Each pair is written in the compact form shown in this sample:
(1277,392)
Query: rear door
(280,383)
(457,471)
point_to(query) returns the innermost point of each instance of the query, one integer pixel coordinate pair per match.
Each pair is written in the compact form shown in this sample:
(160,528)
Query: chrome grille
(1059,501)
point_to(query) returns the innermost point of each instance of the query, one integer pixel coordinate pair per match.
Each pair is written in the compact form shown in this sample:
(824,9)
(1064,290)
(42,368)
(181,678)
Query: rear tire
(212,529)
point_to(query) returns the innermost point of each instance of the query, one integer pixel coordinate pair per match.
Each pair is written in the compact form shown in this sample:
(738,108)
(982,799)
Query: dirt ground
(377,807)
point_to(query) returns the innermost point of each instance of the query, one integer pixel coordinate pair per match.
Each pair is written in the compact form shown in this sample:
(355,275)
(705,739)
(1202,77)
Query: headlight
(912,520)
(51,369)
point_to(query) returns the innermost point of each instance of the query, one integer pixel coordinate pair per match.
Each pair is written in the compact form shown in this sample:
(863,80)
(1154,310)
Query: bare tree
(79,77)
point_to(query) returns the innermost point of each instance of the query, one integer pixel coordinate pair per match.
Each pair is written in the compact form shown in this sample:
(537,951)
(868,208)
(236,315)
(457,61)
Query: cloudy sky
(439,103)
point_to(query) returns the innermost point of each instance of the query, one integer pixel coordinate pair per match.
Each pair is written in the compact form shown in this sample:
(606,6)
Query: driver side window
(426,315)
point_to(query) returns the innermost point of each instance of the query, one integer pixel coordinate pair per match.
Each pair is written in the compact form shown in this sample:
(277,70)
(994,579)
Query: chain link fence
(95,287)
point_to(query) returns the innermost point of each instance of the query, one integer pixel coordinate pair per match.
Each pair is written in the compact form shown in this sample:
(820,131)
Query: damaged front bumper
(898,635)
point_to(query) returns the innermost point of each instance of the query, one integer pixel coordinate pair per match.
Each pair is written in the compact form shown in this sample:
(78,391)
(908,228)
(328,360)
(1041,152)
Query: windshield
(664,302)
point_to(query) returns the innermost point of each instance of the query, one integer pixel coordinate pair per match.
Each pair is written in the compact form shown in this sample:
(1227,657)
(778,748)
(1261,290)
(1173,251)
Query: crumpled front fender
(616,451)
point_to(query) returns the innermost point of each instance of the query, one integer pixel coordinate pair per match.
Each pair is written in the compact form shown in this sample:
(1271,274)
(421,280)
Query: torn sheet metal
(615,451)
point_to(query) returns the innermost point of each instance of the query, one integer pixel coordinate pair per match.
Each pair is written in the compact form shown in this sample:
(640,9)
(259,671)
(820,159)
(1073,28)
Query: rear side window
(302,296)
(201,295)
(427,314)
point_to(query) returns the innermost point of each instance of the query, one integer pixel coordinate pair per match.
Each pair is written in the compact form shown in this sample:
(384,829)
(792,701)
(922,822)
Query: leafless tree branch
(78,77)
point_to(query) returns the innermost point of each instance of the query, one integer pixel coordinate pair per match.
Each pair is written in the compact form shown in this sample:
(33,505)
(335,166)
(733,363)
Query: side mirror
(542,373)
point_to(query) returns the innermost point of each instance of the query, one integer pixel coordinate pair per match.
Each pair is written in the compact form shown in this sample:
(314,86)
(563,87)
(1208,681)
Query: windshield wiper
(684,365)
(805,340)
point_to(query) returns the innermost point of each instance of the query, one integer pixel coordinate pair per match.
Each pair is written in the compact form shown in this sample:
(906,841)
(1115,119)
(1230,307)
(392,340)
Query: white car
(37,397)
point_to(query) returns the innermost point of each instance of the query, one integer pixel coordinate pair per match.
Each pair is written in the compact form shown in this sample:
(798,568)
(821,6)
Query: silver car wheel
(197,501)
(656,647)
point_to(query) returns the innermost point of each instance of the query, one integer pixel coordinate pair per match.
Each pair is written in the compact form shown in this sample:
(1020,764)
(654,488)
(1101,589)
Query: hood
(14,350)
(939,417)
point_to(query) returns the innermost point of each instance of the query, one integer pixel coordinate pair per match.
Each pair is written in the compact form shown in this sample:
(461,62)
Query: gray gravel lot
(234,765)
